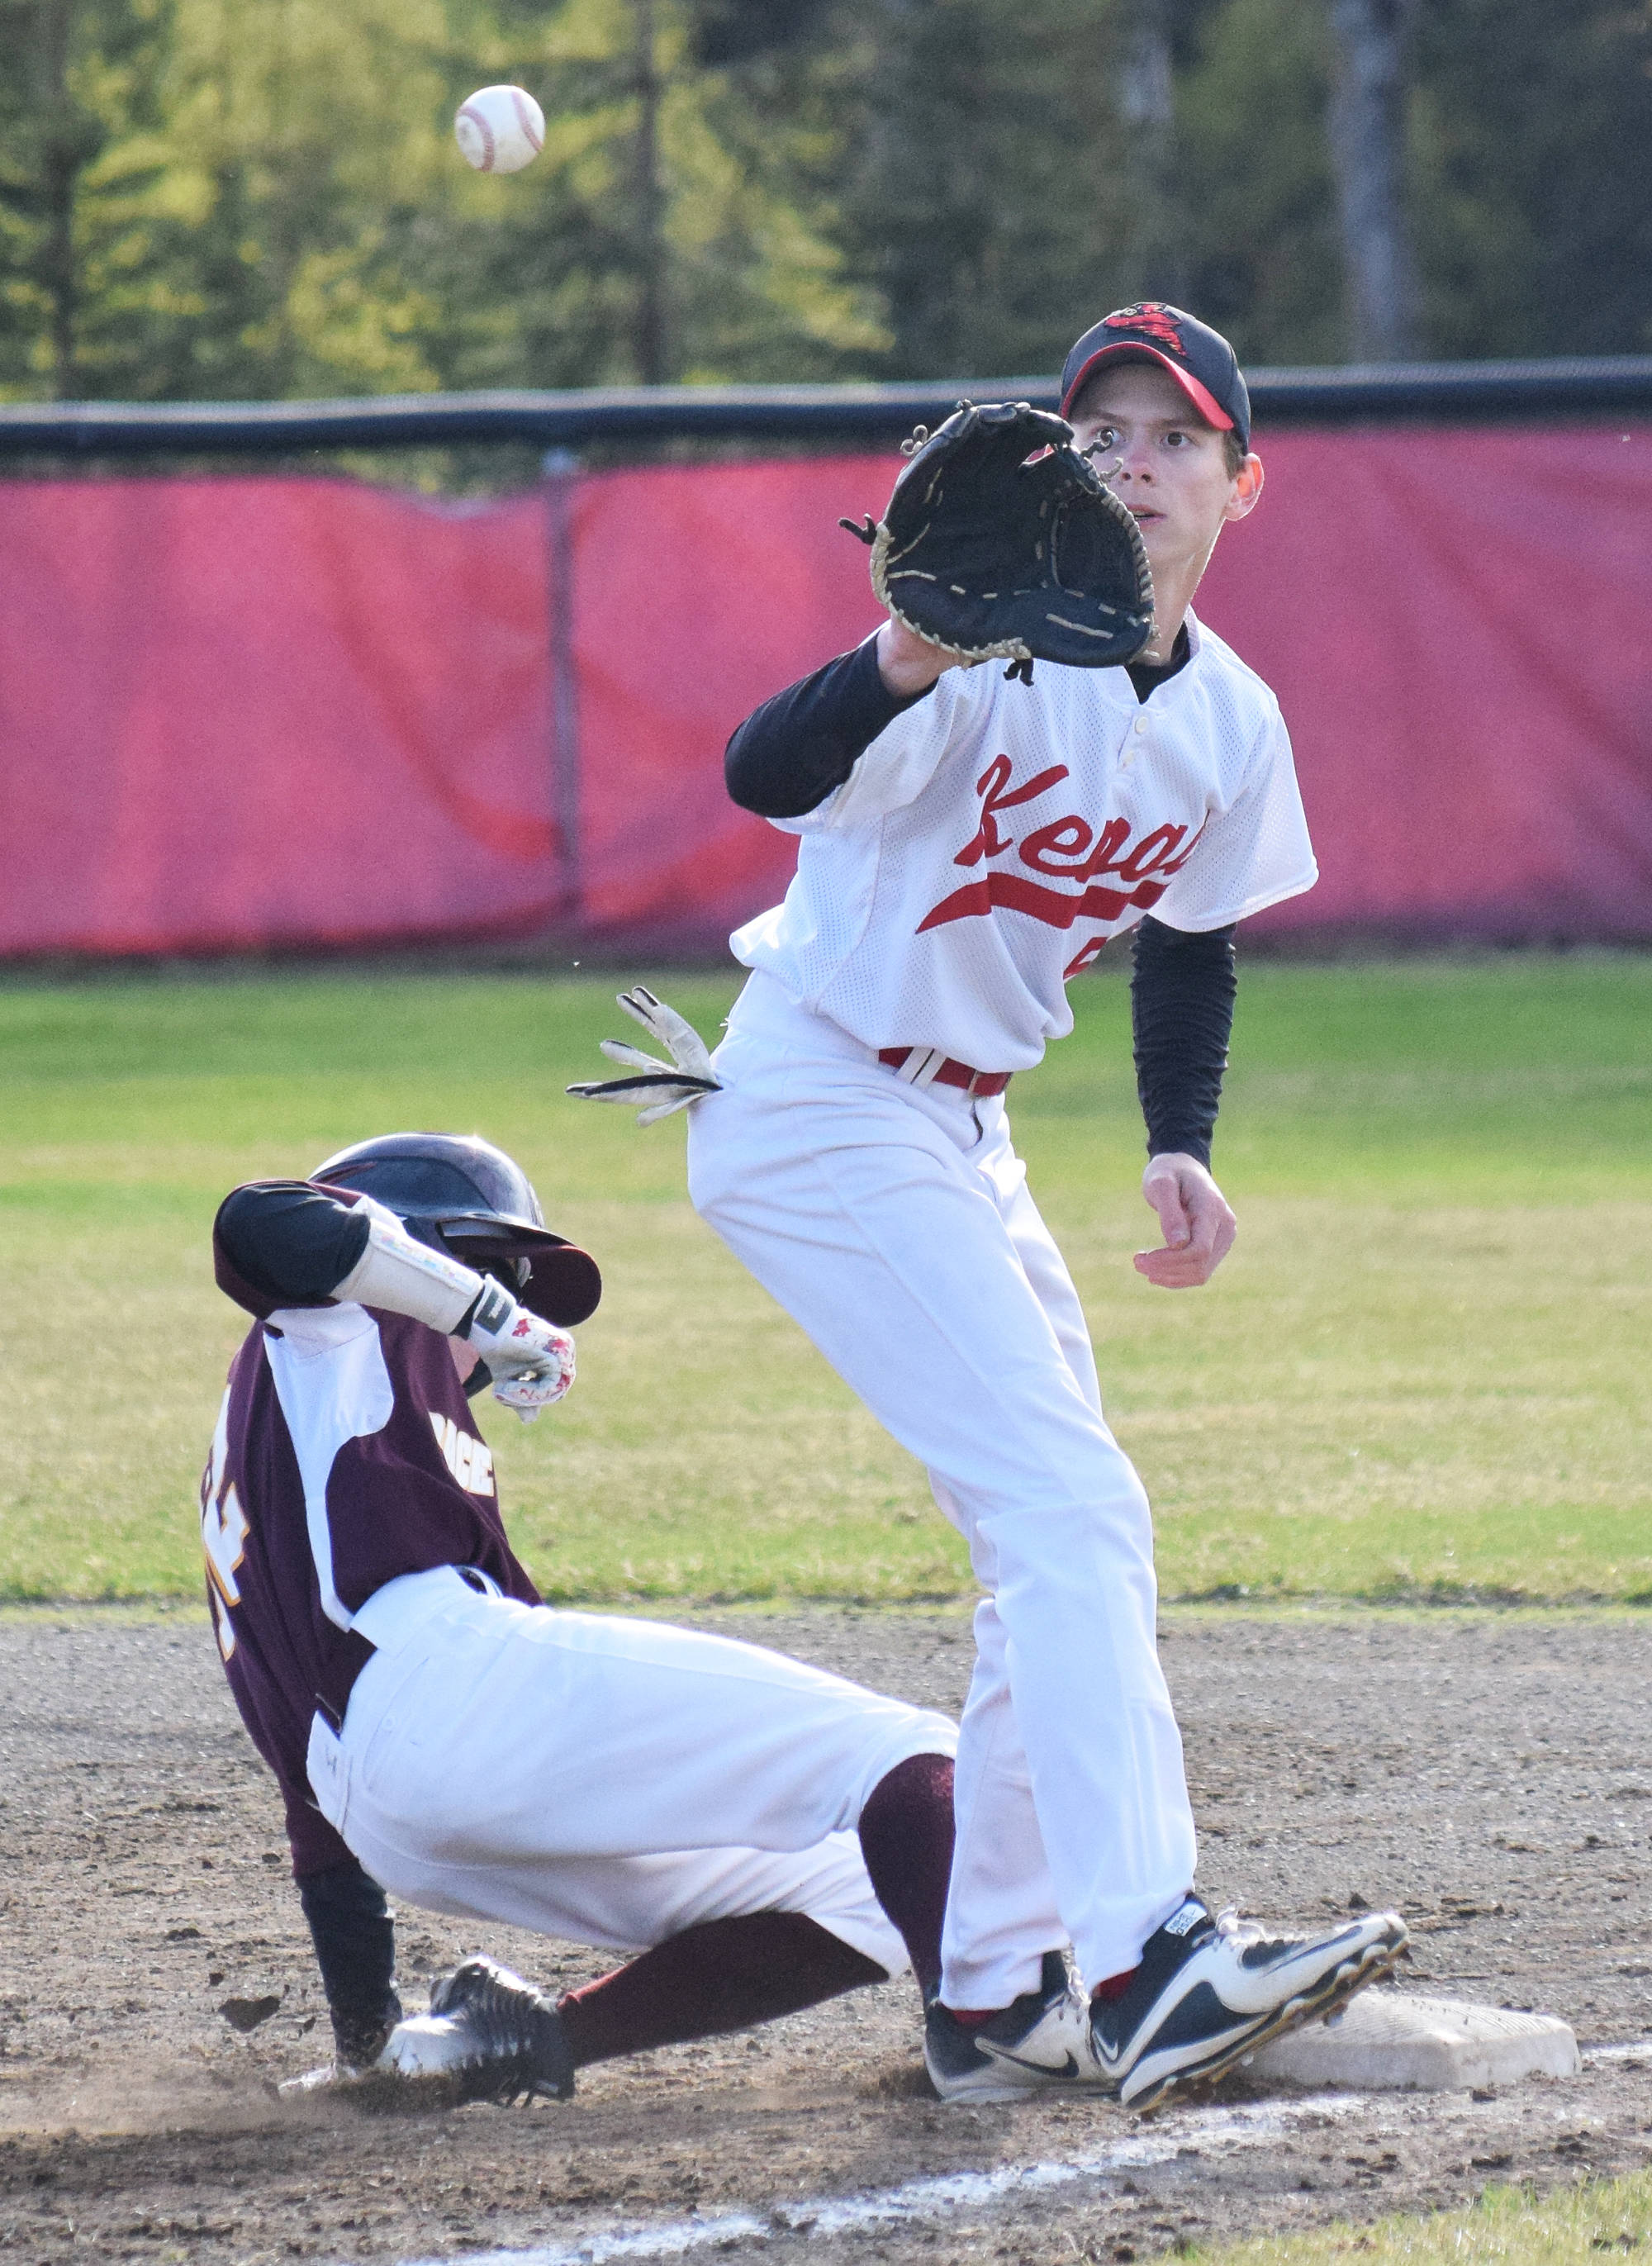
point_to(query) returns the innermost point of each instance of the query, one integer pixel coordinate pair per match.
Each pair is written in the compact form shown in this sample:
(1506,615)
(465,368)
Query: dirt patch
(1486,1772)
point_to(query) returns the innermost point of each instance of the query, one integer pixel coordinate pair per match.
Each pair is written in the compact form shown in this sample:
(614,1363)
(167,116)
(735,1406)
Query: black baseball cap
(1200,360)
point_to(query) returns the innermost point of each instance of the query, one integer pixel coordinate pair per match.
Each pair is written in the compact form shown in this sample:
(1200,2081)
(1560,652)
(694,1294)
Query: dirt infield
(1487,1773)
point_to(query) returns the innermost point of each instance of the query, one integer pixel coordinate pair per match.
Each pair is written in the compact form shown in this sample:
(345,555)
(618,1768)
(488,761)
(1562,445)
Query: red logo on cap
(1152,317)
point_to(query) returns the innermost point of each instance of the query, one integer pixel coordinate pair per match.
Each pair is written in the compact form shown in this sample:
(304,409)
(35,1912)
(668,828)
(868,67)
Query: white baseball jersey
(994,836)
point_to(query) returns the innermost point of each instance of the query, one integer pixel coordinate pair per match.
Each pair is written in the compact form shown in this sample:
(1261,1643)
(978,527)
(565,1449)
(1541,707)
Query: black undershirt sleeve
(1182,988)
(788,755)
(290,1242)
(354,1938)
(791,752)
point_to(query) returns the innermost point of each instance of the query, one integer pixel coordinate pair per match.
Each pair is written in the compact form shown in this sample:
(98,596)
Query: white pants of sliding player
(611,1781)
(893,1222)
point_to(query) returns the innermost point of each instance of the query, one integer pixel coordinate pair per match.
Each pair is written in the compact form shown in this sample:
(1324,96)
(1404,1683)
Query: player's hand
(909,663)
(527,1394)
(1197,1219)
(531,1360)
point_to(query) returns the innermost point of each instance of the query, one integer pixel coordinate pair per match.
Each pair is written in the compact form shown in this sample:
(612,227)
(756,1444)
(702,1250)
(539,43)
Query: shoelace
(1232,1923)
(1245,1934)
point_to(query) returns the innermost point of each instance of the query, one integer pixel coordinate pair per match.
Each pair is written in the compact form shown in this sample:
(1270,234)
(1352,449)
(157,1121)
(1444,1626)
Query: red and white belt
(928,1067)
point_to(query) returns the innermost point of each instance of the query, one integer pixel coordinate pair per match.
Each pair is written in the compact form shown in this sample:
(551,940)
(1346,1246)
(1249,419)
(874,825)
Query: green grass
(1423,1370)
(1506,2227)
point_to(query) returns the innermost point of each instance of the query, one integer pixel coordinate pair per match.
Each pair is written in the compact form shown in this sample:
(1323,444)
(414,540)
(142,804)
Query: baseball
(500,130)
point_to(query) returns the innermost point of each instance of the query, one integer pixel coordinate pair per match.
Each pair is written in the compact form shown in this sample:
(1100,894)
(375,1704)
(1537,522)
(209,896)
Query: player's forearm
(1182,990)
(297,1245)
(356,1950)
(790,754)
(291,1243)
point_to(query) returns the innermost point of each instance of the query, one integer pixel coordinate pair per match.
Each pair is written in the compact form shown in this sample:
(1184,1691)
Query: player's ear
(1246,490)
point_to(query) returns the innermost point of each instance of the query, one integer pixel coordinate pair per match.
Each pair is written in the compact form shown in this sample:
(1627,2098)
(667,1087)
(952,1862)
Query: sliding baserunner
(764,1834)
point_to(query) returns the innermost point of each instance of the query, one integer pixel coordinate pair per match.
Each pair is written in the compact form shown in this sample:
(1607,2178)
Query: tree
(1530,124)
(996,209)
(1507,163)
(262,197)
(266,200)
(1147,110)
(93,223)
(1367,139)
(1264,256)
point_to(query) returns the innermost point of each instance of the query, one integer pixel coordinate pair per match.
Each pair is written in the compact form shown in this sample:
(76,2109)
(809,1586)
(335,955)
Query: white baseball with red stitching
(500,130)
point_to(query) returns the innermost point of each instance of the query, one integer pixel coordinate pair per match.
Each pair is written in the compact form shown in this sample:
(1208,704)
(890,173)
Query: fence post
(560,468)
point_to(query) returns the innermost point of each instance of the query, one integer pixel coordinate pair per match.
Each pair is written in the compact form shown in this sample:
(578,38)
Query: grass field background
(1506,2227)
(1422,1371)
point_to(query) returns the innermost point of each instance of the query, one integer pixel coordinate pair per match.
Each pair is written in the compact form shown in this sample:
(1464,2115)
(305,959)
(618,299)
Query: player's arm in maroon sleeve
(1182,989)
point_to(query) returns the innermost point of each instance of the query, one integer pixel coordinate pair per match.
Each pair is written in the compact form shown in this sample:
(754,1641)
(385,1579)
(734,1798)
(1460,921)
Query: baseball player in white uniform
(966,845)
(767,1835)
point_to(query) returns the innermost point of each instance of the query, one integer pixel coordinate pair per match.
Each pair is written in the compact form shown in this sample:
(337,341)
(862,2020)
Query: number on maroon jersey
(223,1531)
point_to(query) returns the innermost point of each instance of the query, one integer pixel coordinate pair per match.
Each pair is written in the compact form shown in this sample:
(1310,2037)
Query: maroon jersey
(345,1455)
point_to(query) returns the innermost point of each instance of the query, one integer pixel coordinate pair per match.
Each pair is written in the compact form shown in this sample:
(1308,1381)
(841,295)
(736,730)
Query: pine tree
(1531,125)
(997,212)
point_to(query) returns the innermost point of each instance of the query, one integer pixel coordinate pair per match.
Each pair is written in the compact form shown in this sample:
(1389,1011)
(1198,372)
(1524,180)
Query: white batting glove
(665,1087)
(530,1360)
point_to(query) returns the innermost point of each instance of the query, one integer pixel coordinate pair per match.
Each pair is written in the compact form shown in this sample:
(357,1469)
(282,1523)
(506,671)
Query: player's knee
(1073,1527)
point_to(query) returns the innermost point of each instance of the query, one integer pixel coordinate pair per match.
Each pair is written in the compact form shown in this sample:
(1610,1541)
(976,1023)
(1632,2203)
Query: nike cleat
(1209,1992)
(488,2037)
(1040,2042)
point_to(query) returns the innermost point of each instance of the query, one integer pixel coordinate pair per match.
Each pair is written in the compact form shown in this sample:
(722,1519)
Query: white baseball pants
(895,1224)
(607,1780)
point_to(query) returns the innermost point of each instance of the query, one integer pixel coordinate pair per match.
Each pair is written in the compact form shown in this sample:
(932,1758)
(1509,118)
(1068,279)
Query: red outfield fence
(237,713)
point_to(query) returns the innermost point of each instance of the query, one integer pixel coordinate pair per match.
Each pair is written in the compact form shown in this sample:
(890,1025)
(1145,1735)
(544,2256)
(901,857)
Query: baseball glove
(1001,540)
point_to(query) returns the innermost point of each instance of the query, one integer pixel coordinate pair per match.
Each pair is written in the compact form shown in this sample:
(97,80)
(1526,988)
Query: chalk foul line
(917,2203)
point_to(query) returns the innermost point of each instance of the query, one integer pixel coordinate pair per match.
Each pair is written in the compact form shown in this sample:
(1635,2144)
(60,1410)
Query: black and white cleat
(1209,1991)
(1039,2044)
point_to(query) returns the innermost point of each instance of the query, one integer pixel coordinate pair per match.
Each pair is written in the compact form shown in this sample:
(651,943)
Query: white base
(1393,2041)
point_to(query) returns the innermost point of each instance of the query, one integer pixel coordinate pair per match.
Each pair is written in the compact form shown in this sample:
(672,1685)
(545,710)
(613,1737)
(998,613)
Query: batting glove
(529,1361)
(665,1087)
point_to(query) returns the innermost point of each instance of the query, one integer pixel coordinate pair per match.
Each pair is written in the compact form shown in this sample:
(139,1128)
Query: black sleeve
(1182,988)
(286,1242)
(354,1938)
(788,755)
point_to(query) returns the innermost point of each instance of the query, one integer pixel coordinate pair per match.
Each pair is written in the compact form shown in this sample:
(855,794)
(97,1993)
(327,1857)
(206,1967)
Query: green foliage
(92,217)
(1264,260)
(995,197)
(213,200)
(208,198)
(1533,210)
(1422,1372)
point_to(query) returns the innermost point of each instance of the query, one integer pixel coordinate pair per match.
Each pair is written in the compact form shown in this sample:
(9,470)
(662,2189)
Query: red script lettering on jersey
(1069,849)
